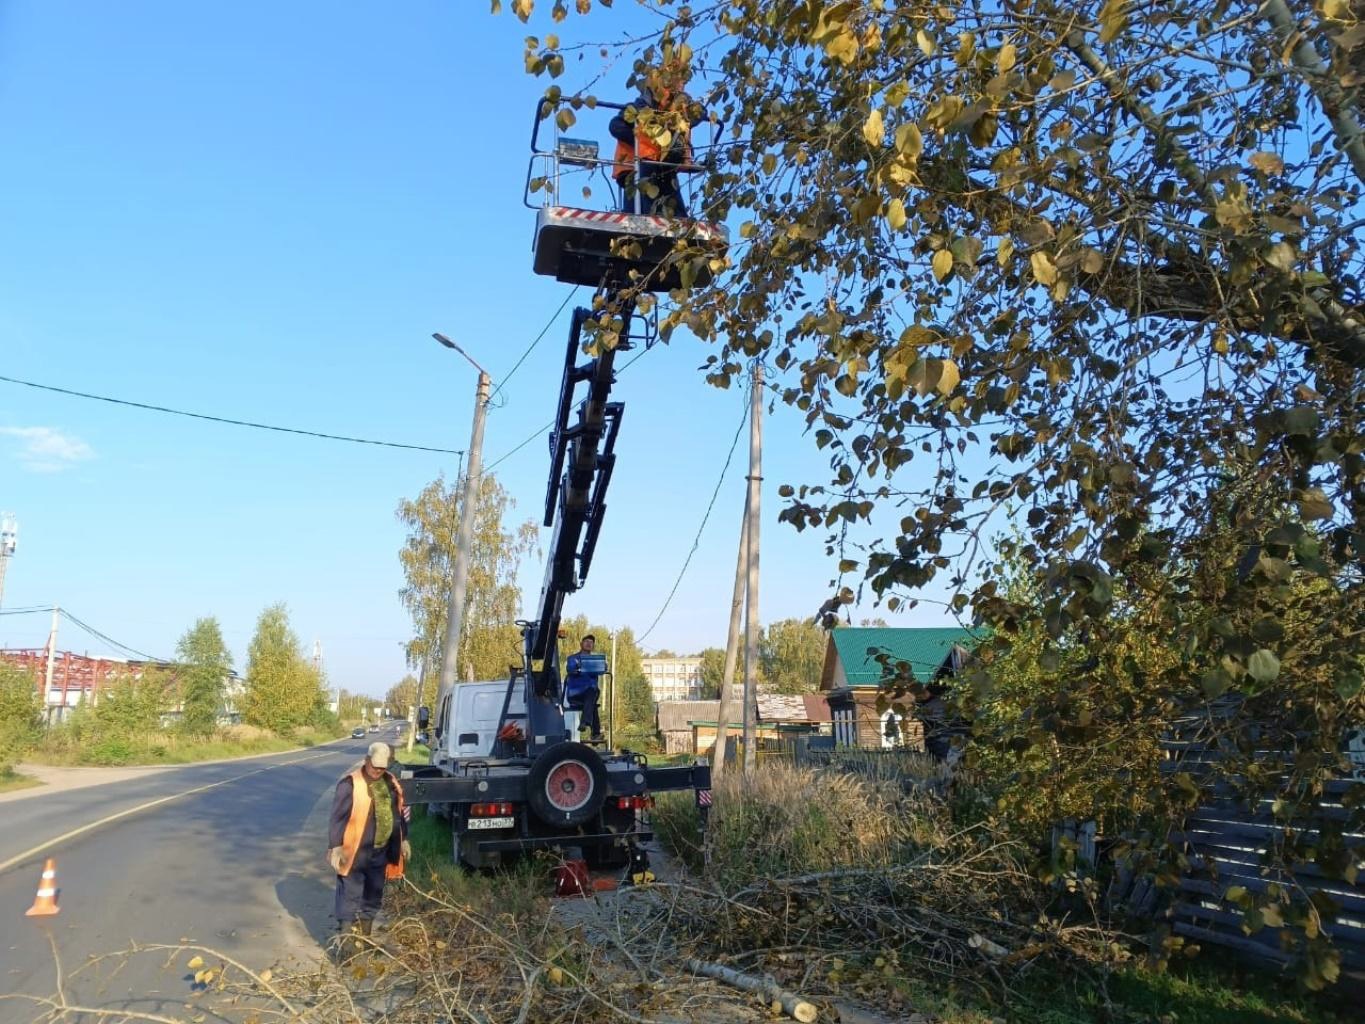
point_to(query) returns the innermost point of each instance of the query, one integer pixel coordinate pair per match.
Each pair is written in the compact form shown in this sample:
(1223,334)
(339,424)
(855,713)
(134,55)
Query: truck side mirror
(423,717)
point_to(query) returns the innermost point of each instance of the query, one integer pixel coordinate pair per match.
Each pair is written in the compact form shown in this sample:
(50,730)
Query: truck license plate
(492,822)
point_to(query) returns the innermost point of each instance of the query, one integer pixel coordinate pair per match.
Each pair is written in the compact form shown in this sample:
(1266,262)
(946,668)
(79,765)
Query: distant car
(358,732)
(374,728)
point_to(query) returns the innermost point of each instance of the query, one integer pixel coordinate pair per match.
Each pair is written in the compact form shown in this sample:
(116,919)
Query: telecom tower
(9,537)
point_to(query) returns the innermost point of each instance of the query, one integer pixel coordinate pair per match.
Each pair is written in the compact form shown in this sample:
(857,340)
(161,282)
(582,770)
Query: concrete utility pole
(727,681)
(751,626)
(611,704)
(412,709)
(9,540)
(450,667)
(52,659)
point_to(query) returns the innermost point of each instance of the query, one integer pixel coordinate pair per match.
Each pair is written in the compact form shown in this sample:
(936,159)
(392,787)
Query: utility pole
(450,655)
(611,704)
(727,681)
(412,711)
(751,626)
(9,540)
(52,661)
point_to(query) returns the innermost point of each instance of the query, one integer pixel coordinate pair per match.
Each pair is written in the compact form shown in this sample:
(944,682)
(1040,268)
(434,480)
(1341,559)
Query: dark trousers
(361,893)
(587,703)
(667,202)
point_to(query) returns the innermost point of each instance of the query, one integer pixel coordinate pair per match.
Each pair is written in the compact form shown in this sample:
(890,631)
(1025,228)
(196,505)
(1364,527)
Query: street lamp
(451,345)
(455,613)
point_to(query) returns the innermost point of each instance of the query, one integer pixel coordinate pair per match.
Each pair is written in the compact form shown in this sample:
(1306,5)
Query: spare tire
(567,784)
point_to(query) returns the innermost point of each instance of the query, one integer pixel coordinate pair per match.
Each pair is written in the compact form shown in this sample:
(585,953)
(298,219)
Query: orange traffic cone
(45,903)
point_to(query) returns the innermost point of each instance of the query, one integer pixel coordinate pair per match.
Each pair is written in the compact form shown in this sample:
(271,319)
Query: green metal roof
(925,649)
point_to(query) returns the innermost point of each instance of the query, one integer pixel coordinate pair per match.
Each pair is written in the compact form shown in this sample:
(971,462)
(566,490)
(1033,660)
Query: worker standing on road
(368,842)
(658,137)
(581,688)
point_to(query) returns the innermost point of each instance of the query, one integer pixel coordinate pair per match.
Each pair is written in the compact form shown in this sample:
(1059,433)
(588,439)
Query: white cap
(379,754)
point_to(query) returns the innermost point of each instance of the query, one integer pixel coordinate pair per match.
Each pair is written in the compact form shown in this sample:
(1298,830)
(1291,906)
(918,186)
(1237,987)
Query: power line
(545,429)
(696,542)
(229,421)
(507,455)
(535,341)
(108,639)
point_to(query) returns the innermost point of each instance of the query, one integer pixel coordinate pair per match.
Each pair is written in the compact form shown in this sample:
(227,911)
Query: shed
(675,722)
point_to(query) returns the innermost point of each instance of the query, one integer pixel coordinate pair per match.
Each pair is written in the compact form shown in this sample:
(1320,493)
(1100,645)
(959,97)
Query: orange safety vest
(360,814)
(646,149)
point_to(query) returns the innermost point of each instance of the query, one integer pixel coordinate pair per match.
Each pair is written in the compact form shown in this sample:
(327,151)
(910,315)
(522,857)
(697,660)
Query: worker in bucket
(368,843)
(581,688)
(657,135)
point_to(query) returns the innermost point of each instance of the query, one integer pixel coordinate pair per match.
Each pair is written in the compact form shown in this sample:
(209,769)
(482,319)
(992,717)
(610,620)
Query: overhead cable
(229,420)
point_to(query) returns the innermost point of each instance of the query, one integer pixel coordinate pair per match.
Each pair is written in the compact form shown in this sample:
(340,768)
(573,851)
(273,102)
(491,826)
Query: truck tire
(567,784)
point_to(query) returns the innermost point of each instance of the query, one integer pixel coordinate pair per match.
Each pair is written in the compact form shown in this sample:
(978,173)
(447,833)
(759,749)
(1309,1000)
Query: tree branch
(1326,86)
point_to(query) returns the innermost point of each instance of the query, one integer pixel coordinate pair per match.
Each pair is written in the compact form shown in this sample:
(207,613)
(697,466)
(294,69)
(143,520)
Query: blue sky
(263,211)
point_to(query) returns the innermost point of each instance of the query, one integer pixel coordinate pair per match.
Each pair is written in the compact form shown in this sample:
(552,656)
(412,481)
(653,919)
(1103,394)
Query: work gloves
(334,856)
(407,851)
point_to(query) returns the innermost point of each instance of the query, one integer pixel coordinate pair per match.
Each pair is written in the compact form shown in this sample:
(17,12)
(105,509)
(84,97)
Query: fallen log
(793,1005)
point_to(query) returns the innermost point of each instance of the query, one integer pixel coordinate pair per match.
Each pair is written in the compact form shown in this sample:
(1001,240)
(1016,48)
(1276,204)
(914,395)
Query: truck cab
(467,720)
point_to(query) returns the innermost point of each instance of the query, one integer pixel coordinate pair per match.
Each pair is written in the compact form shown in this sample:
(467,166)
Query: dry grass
(791,821)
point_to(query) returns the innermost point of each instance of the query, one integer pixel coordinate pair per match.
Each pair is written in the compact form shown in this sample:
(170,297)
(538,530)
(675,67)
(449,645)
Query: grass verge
(166,747)
(11,780)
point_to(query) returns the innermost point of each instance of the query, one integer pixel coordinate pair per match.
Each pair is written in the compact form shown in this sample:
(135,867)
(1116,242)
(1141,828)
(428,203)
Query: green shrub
(112,750)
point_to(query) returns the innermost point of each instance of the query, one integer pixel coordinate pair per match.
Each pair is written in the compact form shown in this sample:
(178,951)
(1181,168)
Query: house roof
(924,649)
(795,707)
(678,715)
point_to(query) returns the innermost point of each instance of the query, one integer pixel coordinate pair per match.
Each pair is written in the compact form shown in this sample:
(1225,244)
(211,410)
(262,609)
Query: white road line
(44,847)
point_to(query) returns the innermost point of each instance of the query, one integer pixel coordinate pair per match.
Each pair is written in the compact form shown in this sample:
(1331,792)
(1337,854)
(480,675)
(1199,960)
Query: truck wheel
(567,784)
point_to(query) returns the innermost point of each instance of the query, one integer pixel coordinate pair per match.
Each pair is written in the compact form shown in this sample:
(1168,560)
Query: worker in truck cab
(657,134)
(581,688)
(368,843)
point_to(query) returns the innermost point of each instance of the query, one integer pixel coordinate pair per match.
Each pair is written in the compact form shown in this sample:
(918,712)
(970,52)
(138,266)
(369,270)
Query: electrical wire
(696,542)
(229,421)
(108,639)
(535,341)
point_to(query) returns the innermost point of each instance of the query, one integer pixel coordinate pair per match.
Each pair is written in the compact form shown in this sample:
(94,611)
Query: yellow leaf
(1113,18)
(895,214)
(195,963)
(522,8)
(556,975)
(966,42)
(1005,61)
(495,7)
(948,378)
(565,119)
(1267,163)
(1272,916)
(873,130)
(843,47)
(909,142)
(943,264)
(1044,270)
(925,43)
(1004,250)
(1337,10)
(1092,262)
(267,974)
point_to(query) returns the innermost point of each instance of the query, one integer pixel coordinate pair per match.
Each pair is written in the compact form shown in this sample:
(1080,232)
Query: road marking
(49,844)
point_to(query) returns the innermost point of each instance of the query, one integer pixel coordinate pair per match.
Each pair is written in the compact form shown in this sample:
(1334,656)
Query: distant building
(673,678)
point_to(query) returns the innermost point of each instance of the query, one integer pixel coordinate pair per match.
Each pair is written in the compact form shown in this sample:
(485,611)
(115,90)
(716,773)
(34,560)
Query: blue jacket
(577,682)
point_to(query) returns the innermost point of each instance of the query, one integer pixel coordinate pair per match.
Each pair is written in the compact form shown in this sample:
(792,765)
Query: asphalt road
(236,864)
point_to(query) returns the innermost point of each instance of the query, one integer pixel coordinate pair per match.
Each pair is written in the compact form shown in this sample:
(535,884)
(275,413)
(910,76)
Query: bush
(20,715)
